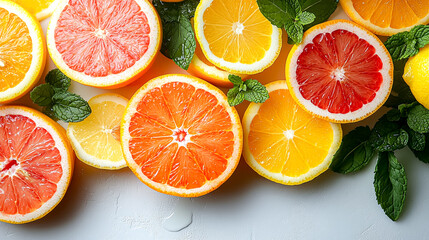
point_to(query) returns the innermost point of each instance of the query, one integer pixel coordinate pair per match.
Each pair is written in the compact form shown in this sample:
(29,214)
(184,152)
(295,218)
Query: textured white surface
(104,204)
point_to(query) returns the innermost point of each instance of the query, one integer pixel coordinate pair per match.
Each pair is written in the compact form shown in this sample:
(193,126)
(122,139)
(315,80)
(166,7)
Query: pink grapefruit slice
(104,43)
(340,72)
(36,164)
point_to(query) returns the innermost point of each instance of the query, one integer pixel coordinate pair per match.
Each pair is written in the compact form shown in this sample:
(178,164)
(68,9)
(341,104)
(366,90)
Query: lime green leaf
(42,95)
(70,107)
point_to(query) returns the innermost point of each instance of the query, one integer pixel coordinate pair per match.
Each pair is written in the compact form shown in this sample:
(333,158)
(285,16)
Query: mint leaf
(405,108)
(354,153)
(293,7)
(381,129)
(306,18)
(417,141)
(295,31)
(393,115)
(406,44)
(274,11)
(49,112)
(236,80)
(322,10)
(70,107)
(423,155)
(58,80)
(401,92)
(187,8)
(168,12)
(393,141)
(182,45)
(235,97)
(418,119)
(390,183)
(42,95)
(255,92)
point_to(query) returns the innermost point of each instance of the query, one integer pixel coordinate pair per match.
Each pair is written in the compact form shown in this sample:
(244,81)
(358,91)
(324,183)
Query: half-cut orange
(180,136)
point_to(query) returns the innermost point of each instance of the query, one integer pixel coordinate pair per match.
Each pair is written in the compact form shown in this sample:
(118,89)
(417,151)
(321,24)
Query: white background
(103,204)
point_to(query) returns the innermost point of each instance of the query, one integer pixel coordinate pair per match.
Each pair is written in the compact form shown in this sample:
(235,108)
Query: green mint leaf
(49,112)
(187,8)
(274,11)
(168,12)
(418,119)
(58,80)
(423,155)
(405,108)
(295,30)
(255,92)
(393,141)
(235,97)
(236,80)
(181,44)
(416,141)
(388,136)
(354,153)
(393,115)
(390,183)
(306,18)
(293,7)
(406,44)
(42,95)
(242,87)
(401,92)
(70,107)
(322,9)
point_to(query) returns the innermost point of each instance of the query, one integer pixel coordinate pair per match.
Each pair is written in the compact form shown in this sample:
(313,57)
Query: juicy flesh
(30,165)
(181,136)
(102,37)
(288,140)
(392,13)
(34,6)
(15,50)
(237,31)
(99,134)
(339,72)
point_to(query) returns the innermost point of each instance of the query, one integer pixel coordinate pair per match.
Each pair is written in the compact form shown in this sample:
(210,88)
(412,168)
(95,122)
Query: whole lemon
(416,75)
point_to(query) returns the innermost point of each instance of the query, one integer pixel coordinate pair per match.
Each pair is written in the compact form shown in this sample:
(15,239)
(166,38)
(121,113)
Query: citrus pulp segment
(235,36)
(22,51)
(180,136)
(385,17)
(104,43)
(41,9)
(36,164)
(96,140)
(284,143)
(340,72)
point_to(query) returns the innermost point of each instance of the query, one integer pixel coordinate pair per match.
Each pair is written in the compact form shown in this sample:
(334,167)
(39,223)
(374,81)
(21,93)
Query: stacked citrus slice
(104,43)
(387,17)
(96,139)
(180,136)
(340,72)
(22,51)
(284,143)
(36,164)
(41,9)
(235,36)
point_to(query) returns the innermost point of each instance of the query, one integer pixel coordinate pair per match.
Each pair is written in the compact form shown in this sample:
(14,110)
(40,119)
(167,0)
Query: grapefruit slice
(36,164)
(286,144)
(104,43)
(340,72)
(22,51)
(180,136)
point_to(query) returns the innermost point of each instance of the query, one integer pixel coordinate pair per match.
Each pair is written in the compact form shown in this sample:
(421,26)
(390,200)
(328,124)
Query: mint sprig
(250,90)
(407,44)
(178,41)
(295,16)
(406,125)
(57,102)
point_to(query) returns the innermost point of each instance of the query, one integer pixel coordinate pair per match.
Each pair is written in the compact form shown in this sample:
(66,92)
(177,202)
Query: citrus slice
(36,164)
(41,9)
(235,36)
(286,144)
(104,43)
(22,51)
(416,75)
(180,136)
(202,68)
(340,72)
(385,17)
(96,140)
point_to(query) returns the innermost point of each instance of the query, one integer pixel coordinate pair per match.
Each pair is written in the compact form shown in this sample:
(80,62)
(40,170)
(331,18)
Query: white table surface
(101,204)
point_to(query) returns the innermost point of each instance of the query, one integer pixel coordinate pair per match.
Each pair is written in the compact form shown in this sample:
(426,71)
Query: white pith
(111,79)
(366,109)
(251,112)
(131,110)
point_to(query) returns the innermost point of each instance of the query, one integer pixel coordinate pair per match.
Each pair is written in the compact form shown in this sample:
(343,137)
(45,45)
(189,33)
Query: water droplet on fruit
(180,218)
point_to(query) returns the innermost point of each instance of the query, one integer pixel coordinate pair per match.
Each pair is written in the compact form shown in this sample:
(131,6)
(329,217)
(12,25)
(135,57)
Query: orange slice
(36,164)
(340,72)
(104,43)
(180,136)
(286,144)
(22,51)
(41,9)
(387,17)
